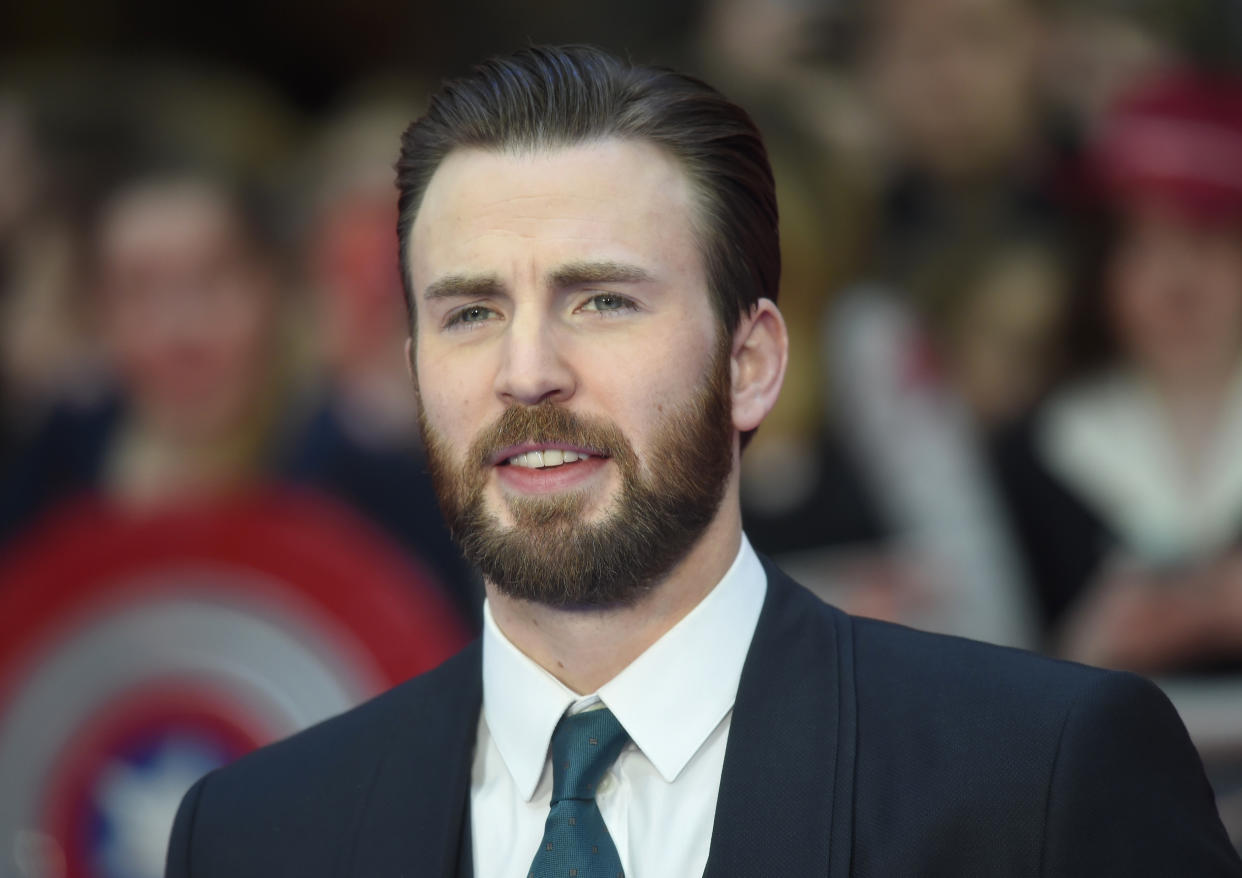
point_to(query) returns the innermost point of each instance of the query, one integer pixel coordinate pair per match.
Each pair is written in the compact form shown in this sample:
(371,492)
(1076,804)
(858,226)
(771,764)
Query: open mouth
(546,458)
(546,455)
(543,468)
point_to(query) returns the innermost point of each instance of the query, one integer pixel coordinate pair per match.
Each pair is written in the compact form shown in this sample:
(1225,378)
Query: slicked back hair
(544,98)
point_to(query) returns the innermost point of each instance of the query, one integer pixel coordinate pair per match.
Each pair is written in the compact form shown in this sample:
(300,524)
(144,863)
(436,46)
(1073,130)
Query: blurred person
(1126,487)
(187,301)
(995,310)
(959,300)
(165,605)
(970,148)
(184,296)
(168,601)
(357,436)
(918,394)
(970,233)
(956,79)
(946,562)
(974,218)
(72,129)
(591,257)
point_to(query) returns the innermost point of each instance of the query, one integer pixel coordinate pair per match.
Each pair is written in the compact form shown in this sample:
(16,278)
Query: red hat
(1177,138)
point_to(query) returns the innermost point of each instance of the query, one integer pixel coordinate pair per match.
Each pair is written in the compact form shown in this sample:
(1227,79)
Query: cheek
(640,393)
(243,329)
(452,394)
(1134,299)
(135,339)
(1158,312)
(1222,289)
(443,414)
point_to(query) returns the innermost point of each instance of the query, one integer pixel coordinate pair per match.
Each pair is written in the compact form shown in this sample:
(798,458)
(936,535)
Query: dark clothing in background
(856,748)
(837,510)
(388,487)
(63,458)
(922,219)
(1063,541)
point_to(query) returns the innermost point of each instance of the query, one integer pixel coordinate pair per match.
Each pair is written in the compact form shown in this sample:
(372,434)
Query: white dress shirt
(675,701)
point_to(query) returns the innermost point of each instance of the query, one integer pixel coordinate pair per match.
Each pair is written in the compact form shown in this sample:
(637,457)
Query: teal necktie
(576,843)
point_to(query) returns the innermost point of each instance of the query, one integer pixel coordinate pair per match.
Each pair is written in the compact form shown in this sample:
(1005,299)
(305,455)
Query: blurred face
(186,308)
(1176,294)
(956,78)
(354,260)
(763,40)
(573,376)
(1004,342)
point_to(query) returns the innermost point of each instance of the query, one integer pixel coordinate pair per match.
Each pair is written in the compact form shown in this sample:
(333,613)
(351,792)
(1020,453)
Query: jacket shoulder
(336,745)
(915,670)
(292,807)
(1078,770)
(925,668)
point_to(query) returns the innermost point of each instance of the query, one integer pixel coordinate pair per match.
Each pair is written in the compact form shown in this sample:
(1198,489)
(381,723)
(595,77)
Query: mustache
(548,422)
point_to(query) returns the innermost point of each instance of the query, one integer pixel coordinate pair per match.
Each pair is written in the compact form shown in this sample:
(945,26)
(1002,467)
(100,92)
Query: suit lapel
(785,791)
(787,784)
(465,854)
(412,823)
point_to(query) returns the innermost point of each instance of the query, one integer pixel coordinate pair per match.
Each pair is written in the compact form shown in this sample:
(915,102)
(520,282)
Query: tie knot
(584,746)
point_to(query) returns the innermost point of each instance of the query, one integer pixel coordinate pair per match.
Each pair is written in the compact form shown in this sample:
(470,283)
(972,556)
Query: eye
(471,314)
(606,302)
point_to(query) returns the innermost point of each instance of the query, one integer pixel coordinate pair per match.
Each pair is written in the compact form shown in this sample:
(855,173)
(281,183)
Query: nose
(533,366)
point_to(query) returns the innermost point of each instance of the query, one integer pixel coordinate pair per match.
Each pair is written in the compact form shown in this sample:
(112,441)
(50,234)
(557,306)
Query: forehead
(610,199)
(165,221)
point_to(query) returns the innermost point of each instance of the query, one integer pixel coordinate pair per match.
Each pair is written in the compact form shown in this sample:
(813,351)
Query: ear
(760,355)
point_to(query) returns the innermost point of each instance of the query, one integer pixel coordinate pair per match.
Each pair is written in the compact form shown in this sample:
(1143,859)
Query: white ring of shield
(282,658)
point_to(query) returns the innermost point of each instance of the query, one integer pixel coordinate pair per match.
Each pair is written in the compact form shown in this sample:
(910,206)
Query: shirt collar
(669,699)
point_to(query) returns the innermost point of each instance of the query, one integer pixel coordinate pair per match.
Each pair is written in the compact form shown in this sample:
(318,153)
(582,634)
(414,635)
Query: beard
(549,554)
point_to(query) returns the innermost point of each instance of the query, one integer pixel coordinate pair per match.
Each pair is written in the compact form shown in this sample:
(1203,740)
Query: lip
(552,479)
(515,450)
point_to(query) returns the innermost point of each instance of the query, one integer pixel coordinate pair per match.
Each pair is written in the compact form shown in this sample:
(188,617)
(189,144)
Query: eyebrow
(578,273)
(462,286)
(572,274)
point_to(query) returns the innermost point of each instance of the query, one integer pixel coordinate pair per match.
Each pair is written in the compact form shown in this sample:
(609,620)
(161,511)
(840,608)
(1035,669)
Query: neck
(148,466)
(584,649)
(1206,379)
(1195,402)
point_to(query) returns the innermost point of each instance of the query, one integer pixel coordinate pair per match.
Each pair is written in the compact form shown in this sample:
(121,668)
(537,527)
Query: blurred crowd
(1012,237)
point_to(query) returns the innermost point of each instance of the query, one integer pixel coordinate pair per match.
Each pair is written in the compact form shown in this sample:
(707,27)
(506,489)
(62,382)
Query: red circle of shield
(137,651)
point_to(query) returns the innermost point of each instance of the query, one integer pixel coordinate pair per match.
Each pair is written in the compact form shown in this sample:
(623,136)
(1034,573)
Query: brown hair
(548,97)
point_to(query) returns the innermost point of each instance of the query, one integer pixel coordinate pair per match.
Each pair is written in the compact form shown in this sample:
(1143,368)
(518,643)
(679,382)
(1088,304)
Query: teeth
(544,459)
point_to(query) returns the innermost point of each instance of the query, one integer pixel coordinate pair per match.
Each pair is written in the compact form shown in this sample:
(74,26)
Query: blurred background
(1012,235)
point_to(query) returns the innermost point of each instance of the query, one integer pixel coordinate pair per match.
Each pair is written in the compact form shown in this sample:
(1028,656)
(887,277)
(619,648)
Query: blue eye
(468,315)
(605,302)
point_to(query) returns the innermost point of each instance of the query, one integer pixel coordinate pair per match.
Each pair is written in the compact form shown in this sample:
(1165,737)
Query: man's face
(574,380)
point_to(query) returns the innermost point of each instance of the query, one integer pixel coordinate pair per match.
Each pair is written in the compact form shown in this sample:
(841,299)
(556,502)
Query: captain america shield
(139,652)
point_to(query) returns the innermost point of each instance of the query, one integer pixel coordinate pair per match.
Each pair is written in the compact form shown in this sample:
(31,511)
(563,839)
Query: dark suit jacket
(856,748)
